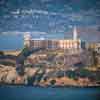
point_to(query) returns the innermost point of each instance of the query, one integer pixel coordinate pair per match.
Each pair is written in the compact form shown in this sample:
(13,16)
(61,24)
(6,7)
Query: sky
(51,17)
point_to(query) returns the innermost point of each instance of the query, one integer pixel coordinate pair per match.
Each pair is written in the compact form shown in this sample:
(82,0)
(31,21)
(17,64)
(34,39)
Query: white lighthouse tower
(77,41)
(27,39)
(74,33)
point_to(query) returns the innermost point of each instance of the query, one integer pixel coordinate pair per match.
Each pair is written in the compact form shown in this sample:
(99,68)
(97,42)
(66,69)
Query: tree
(93,54)
(53,82)
(95,60)
(1,53)
(25,51)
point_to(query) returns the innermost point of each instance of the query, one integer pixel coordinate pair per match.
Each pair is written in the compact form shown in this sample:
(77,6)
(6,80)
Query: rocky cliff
(41,77)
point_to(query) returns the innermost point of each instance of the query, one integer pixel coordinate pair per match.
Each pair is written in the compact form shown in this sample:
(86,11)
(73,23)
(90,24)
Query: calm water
(16,41)
(37,93)
(11,42)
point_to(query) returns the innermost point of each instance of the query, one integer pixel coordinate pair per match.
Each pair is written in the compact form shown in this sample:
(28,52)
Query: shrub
(84,73)
(53,82)
(7,63)
(72,75)
(30,80)
(1,53)
(28,65)
(20,70)
(45,78)
(25,51)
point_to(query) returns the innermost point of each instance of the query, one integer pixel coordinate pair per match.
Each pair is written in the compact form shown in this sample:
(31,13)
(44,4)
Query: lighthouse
(74,33)
(27,39)
(77,41)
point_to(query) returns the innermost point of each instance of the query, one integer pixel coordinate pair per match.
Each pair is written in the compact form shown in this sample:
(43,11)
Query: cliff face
(8,75)
(41,77)
(51,68)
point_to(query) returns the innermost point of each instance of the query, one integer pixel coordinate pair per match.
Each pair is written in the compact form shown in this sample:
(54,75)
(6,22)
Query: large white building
(73,43)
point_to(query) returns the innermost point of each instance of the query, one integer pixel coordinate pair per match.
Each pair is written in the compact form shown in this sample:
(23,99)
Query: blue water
(37,93)
(11,42)
(16,41)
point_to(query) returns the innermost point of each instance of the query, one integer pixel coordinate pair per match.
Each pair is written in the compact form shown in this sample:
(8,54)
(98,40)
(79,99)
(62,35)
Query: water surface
(38,93)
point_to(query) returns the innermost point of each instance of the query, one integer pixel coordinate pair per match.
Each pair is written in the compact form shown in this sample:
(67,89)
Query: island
(50,67)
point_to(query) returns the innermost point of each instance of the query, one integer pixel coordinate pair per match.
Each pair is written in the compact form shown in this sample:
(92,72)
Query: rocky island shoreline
(50,68)
(39,77)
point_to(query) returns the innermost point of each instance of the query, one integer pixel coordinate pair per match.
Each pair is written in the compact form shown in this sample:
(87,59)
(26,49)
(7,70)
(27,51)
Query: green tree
(25,51)
(95,58)
(53,82)
(1,53)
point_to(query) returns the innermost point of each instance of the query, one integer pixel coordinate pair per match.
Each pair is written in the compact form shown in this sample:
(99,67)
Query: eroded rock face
(8,75)
(21,80)
(30,71)
(11,77)
(39,76)
(3,73)
(3,77)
